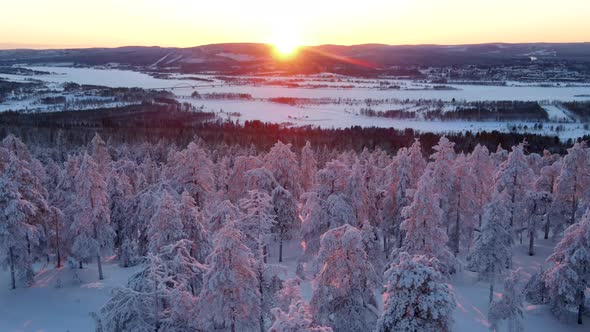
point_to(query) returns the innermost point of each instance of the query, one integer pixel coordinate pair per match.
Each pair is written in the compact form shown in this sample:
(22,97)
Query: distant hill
(366,59)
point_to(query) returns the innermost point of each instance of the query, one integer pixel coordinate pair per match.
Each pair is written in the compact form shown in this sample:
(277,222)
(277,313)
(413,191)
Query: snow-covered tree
(568,276)
(423,225)
(546,182)
(536,205)
(416,297)
(316,222)
(165,226)
(440,170)
(287,217)
(260,179)
(343,298)
(257,221)
(331,179)
(357,193)
(396,198)
(510,306)
(515,178)
(159,297)
(193,228)
(91,228)
(308,167)
(296,319)
(482,168)
(230,299)
(283,164)
(191,170)
(100,155)
(464,204)
(572,188)
(340,212)
(16,230)
(236,183)
(121,194)
(492,249)
(417,161)
(535,290)
(222,214)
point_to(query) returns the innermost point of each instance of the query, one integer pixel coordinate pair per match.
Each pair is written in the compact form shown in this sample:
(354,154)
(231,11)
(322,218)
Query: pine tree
(492,249)
(357,193)
(165,226)
(535,291)
(515,178)
(230,299)
(222,214)
(100,155)
(464,206)
(287,218)
(282,163)
(441,172)
(308,167)
(396,198)
(91,229)
(191,170)
(343,297)
(537,205)
(296,319)
(482,168)
(423,225)
(510,306)
(192,225)
(569,275)
(316,222)
(416,298)
(331,179)
(572,187)
(546,182)
(340,212)
(236,183)
(16,230)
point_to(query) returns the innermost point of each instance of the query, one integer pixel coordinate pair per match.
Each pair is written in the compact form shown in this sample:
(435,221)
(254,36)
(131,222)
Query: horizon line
(47,47)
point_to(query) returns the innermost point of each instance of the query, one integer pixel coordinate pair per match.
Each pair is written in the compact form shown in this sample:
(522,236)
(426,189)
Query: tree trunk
(385,244)
(57,244)
(281,249)
(80,265)
(581,307)
(547,226)
(12,277)
(100,276)
(261,290)
(491,291)
(264,253)
(531,243)
(457,229)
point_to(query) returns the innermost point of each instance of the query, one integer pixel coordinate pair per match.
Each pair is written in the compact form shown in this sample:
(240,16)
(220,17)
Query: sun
(286,48)
(286,41)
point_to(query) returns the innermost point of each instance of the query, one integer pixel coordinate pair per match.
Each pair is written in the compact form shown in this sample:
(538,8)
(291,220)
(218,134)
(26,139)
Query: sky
(183,23)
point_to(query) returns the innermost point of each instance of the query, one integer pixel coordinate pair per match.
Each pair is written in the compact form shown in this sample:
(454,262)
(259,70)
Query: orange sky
(84,23)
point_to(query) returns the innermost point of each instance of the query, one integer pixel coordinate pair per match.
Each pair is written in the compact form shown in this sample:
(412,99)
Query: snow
(44,307)
(558,113)
(238,57)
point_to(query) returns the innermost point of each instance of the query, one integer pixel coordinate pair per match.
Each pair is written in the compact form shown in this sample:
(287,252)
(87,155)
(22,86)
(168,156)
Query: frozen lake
(127,78)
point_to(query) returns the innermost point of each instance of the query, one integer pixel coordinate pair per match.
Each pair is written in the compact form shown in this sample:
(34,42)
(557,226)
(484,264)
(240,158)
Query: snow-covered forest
(216,237)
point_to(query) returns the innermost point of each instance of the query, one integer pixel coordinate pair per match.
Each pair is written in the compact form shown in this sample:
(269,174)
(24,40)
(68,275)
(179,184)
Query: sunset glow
(286,41)
(183,23)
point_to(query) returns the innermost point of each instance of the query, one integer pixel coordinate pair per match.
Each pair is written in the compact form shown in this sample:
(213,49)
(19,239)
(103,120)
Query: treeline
(580,108)
(153,122)
(493,111)
(395,114)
